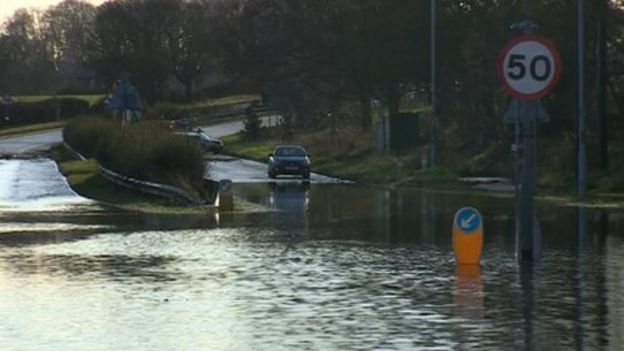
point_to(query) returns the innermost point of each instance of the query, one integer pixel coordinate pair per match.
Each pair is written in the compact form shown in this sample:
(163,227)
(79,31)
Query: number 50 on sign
(529,67)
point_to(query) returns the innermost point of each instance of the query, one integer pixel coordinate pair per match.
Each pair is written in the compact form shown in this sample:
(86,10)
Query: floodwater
(323,267)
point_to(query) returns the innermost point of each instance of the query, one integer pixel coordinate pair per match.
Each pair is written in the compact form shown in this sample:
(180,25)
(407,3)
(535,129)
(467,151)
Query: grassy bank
(206,111)
(348,154)
(84,178)
(142,151)
(31,128)
(91,99)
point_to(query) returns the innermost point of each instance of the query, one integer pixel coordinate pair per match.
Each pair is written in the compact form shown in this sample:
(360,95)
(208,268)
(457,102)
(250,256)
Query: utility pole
(603,110)
(434,104)
(581,160)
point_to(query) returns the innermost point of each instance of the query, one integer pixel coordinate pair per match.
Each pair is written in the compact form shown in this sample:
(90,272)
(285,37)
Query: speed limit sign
(529,67)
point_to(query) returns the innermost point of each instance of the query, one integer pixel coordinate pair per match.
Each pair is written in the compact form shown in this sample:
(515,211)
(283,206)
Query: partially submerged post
(226,196)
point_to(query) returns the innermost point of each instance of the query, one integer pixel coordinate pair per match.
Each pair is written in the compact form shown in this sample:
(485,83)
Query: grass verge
(91,99)
(84,178)
(350,156)
(353,158)
(31,128)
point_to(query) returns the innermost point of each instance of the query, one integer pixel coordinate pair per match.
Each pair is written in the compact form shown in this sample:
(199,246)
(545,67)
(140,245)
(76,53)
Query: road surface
(26,144)
(247,171)
(237,170)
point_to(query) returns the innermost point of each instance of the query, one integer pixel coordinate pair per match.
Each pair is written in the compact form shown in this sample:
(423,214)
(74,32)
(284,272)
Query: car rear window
(290,152)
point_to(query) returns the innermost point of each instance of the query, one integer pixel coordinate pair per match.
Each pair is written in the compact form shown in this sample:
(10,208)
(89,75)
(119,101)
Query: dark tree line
(308,57)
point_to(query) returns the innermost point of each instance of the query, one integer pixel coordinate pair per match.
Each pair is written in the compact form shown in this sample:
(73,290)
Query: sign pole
(529,181)
(581,156)
(517,168)
(529,67)
(434,103)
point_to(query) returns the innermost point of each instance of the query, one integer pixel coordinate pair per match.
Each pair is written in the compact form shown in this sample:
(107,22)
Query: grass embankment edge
(31,128)
(84,178)
(370,169)
(362,167)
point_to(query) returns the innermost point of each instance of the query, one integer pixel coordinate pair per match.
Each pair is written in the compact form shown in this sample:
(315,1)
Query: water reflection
(240,288)
(468,292)
(328,267)
(108,267)
(290,197)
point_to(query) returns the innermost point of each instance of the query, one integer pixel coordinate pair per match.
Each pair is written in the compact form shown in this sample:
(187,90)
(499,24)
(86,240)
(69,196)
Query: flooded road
(323,267)
(249,171)
(31,142)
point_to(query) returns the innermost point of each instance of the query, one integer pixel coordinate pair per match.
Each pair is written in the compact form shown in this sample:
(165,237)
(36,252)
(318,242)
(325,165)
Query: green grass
(224,101)
(31,128)
(353,159)
(84,178)
(236,144)
(91,99)
(364,166)
(205,105)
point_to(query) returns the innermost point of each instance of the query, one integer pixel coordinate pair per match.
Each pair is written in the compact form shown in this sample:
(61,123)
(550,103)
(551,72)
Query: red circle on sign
(552,51)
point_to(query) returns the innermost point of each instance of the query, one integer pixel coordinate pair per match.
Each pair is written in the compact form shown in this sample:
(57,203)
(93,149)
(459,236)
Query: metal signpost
(529,67)
(6,100)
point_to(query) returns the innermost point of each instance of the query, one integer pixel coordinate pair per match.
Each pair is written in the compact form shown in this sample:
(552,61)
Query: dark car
(290,160)
(206,142)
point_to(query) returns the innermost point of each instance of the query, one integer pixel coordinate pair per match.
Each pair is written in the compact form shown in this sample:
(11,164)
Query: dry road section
(237,170)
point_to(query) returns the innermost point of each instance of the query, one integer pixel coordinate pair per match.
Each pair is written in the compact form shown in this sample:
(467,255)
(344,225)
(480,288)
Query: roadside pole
(517,168)
(580,46)
(529,181)
(434,113)
(529,68)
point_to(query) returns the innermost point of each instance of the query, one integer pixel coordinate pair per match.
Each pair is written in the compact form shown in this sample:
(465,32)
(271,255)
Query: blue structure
(126,99)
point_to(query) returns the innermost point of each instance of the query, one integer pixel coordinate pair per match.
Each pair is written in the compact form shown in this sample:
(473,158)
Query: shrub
(88,134)
(45,111)
(67,107)
(143,151)
(252,124)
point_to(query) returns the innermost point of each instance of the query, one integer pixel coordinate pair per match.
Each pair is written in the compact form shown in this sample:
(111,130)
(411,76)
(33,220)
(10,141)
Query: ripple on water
(252,289)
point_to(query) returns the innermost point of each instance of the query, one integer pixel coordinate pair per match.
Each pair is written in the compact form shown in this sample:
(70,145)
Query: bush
(45,111)
(147,152)
(67,107)
(88,134)
(252,124)
(143,151)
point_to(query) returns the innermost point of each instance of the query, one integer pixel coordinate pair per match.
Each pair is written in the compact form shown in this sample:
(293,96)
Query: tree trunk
(366,111)
(188,90)
(394,100)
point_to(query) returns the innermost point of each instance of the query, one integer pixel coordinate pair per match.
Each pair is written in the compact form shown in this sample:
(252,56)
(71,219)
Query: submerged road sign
(529,67)
(467,236)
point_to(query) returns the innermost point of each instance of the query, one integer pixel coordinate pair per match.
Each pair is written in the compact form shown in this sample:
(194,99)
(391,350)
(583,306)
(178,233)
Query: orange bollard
(467,236)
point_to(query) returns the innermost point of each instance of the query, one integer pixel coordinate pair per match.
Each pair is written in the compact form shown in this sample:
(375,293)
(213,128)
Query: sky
(7,7)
